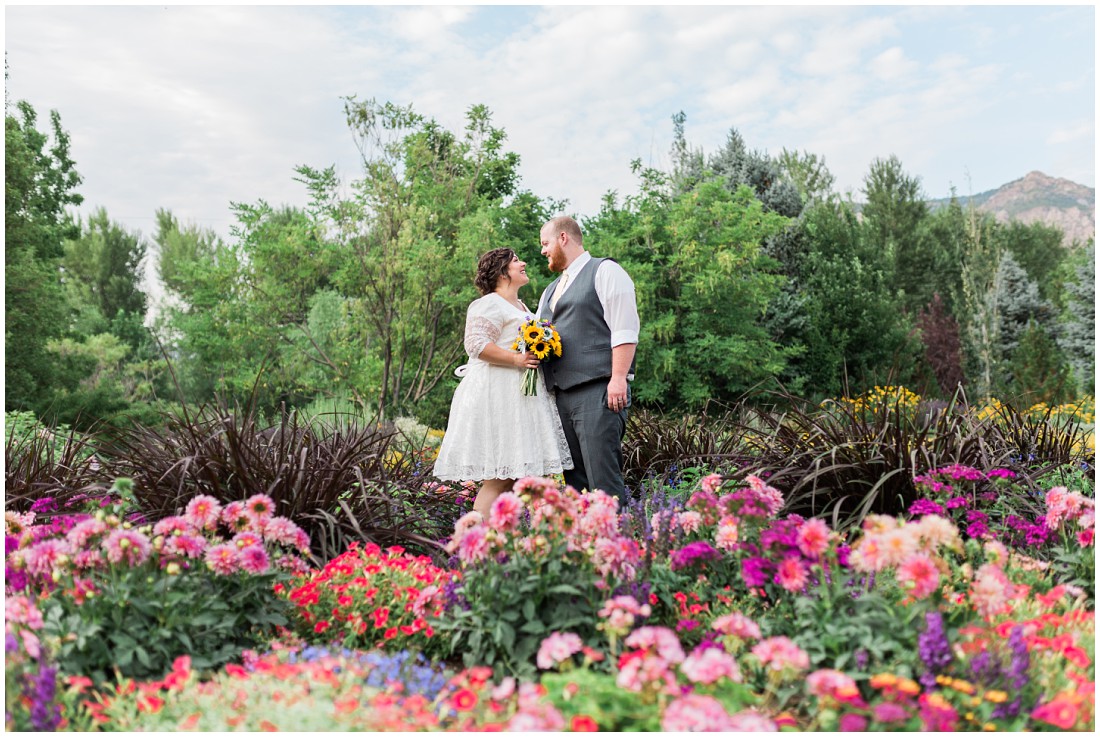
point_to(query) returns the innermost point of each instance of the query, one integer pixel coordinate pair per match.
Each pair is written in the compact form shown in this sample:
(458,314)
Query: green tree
(40,181)
(808,174)
(1078,335)
(102,278)
(1039,250)
(1037,369)
(893,214)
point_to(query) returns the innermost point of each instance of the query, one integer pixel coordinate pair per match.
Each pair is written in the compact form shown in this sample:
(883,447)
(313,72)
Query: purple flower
(977,529)
(11,544)
(934,649)
(957,501)
(754,571)
(843,552)
(45,505)
(1001,473)
(699,551)
(45,714)
(925,506)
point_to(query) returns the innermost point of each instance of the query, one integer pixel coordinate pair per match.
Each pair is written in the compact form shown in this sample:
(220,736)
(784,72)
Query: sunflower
(556,345)
(541,349)
(532,333)
(515,344)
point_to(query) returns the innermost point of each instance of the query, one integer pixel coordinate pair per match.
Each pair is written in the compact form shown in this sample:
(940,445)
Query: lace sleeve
(480,332)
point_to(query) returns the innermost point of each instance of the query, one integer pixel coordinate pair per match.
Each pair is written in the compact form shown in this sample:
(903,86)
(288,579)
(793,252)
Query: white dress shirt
(615,290)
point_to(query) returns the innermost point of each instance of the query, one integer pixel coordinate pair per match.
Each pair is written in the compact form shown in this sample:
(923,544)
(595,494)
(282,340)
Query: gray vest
(585,336)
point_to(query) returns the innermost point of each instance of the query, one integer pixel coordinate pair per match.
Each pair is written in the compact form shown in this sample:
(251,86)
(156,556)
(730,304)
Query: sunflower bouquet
(541,338)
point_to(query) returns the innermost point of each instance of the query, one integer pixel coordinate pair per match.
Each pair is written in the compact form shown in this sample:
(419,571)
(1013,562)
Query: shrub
(42,462)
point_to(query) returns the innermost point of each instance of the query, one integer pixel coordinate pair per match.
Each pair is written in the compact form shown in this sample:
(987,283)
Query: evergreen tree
(1038,370)
(1078,335)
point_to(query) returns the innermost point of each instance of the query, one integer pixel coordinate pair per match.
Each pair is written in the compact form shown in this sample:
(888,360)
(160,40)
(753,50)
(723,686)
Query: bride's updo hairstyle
(491,267)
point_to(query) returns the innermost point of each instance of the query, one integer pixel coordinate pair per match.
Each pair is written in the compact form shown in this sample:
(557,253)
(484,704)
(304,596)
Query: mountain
(1037,197)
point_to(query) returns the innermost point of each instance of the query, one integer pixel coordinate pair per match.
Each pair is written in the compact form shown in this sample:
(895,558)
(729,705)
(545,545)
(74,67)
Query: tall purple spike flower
(934,649)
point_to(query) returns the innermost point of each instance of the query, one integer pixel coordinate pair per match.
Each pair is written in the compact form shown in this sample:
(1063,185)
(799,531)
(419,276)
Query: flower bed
(560,612)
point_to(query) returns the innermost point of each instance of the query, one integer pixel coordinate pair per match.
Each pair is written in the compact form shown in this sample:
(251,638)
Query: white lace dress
(494,431)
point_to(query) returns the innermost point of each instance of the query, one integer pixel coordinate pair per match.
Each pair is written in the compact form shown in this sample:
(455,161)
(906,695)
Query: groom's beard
(556,260)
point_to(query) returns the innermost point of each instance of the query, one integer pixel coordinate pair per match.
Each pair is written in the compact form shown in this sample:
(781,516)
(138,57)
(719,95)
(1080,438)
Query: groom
(593,307)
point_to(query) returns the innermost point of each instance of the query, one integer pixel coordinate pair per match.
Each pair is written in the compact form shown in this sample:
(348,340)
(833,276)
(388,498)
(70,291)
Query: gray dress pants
(595,436)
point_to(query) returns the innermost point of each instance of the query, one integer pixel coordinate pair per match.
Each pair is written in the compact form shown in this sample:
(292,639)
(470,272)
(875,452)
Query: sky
(192,108)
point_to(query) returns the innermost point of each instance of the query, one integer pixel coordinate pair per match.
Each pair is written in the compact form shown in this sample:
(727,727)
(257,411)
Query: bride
(495,434)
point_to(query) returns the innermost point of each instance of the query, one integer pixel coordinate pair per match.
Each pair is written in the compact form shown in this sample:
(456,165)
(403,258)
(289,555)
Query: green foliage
(39,182)
(518,602)
(1037,369)
(854,331)
(595,694)
(1078,335)
(42,460)
(141,620)
(702,282)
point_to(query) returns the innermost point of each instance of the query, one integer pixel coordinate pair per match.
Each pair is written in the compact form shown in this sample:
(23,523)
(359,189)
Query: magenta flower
(709,665)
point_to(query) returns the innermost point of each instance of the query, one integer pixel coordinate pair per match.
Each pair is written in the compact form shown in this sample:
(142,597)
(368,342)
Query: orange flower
(191,721)
(464,700)
(267,726)
(884,680)
(583,723)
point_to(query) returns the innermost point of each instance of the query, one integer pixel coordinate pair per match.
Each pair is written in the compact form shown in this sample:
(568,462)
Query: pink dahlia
(84,531)
(921,572)
(223,559)
(169,525)
(254,559)
(126,545)
(188,546)
(738,625)
(505,512)
(813,538)
(792,574)
(203,512)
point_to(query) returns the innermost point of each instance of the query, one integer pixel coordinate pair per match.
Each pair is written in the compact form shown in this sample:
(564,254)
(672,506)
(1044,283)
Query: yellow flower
(532,333)
(541,350)
(996,697)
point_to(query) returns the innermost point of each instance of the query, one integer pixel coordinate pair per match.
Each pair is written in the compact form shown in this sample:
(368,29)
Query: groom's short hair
(568,225)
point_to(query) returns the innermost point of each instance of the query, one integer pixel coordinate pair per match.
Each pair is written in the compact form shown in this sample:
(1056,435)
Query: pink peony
(709,665)
(556,648)
(203,512)
(223,559)
(813,538)
(919,571)
(126,545)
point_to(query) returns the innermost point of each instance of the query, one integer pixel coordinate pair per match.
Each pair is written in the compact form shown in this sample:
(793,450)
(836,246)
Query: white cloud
(1070,134)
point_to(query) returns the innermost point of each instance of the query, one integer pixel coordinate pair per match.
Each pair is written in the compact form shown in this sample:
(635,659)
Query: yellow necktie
(558,291)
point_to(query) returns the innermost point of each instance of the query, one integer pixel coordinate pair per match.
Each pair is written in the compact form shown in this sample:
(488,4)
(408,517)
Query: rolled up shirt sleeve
(615,289)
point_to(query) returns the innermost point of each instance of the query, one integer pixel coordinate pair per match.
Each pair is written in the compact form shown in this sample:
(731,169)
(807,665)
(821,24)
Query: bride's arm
(479,341)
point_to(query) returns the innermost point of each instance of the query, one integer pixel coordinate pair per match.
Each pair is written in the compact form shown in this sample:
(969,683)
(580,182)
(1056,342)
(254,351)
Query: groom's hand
(616,394)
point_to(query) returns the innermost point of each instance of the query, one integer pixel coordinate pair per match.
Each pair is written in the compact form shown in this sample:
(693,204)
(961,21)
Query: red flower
(150,704)
(464,700)
(236,671)
(321,626)
(390,633)
(583,723)
(380,617)
(191,721)
(267,726)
